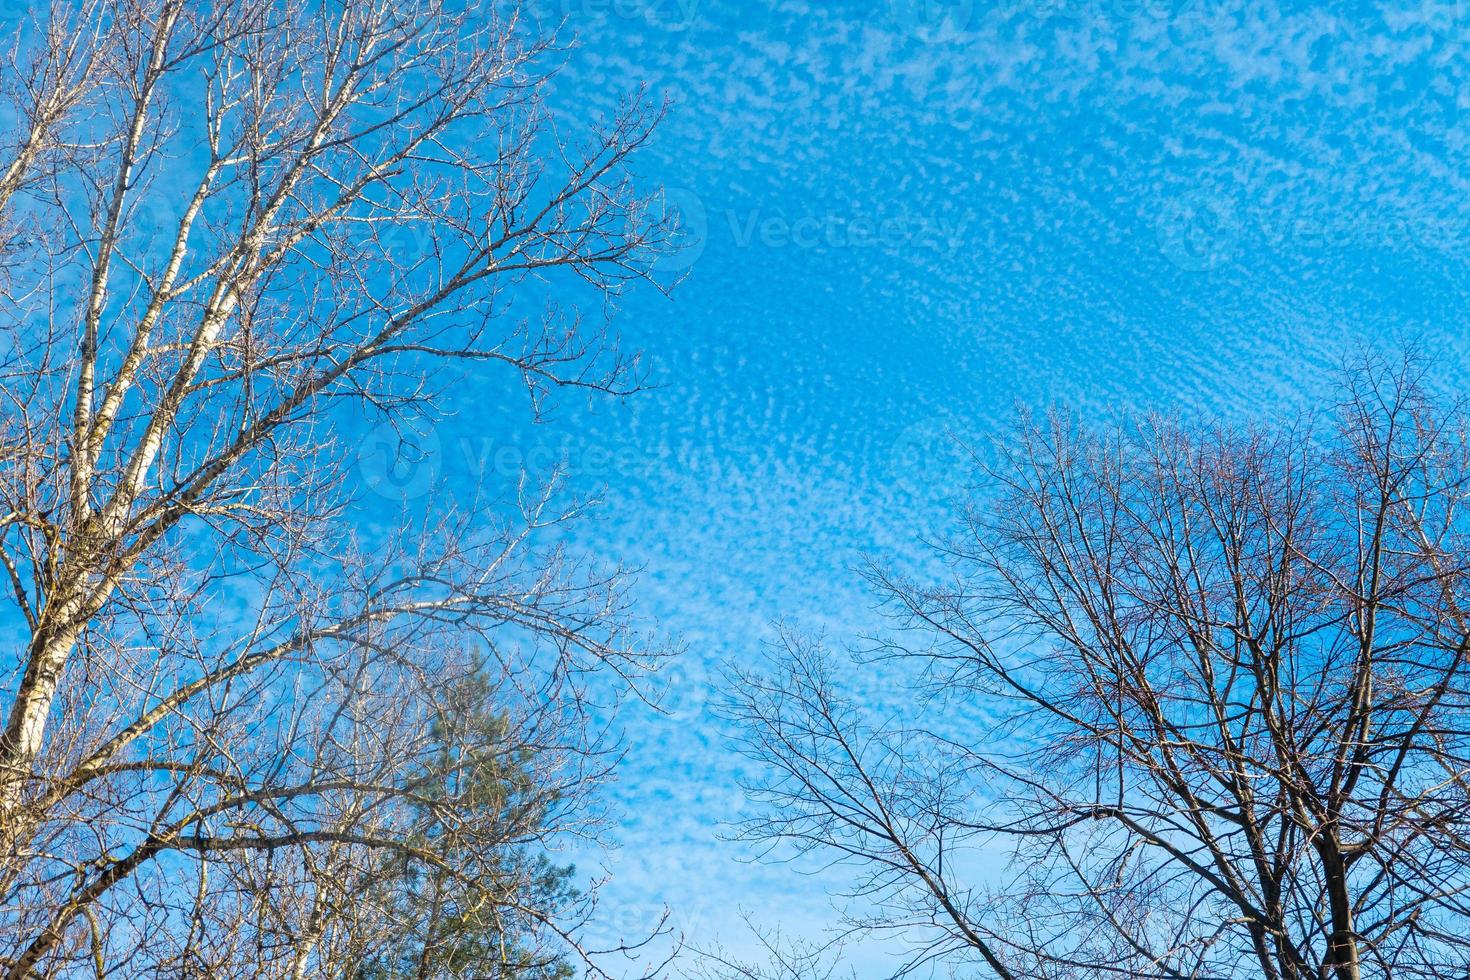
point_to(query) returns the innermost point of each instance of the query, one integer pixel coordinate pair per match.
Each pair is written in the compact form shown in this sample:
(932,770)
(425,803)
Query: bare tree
(1196,706)
(225,229)
(780,957)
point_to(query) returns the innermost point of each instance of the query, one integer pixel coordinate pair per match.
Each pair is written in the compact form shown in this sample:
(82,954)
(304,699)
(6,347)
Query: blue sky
(908,217)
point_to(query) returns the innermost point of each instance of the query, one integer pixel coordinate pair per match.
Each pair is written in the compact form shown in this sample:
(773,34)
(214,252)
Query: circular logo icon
(1198,232)
(155,220)
(685,221)
(399,462)
(687,689)
(929,457)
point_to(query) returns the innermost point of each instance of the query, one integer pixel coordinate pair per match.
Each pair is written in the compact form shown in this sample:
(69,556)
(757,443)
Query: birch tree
(227,228)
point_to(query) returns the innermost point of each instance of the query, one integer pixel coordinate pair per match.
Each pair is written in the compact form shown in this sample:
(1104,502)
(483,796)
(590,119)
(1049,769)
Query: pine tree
(443,924)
